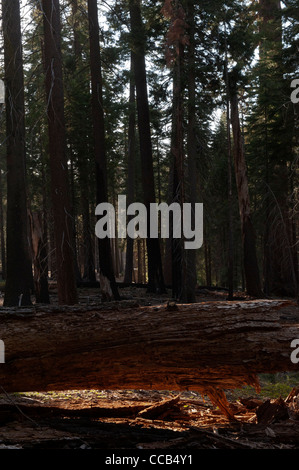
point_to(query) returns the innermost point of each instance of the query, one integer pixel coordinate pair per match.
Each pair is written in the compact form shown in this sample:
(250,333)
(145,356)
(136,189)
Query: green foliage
(272,386)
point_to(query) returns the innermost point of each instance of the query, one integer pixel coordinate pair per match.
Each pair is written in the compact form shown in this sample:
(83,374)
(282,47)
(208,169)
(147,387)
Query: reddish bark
(61,205)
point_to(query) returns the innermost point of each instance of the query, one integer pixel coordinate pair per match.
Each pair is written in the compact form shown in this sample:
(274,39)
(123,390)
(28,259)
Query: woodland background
(168,101)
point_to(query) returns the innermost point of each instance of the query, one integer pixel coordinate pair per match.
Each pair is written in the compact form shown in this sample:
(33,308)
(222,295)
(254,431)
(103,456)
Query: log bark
(203,347)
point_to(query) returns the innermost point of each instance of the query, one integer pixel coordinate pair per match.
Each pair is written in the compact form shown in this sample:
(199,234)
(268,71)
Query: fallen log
(205,347)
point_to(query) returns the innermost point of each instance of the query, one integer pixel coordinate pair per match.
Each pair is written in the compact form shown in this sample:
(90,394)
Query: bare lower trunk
(39,250)
(2,233)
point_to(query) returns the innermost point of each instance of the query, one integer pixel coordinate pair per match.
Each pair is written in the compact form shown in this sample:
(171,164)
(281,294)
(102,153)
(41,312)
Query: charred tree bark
(2,235)
(19,284)
(40,264)
(251,269)
(197,347)
(60,192)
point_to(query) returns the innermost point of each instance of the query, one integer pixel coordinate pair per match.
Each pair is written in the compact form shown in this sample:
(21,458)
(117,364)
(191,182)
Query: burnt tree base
(204,347)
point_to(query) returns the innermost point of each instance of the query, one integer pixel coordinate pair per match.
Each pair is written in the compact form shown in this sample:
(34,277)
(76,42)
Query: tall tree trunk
(19,272)
(155,273)
(39,244)
(183,267)
(139,261)
(89,265)
(131,170)
(178,188)
(251,269)
(66,282)
(230,182)
(82,163)
(191,278)
(230,211)
(167,258)
(74,213)
(105,255)
(294,217)
(39,251)
(208,267)
(2,235)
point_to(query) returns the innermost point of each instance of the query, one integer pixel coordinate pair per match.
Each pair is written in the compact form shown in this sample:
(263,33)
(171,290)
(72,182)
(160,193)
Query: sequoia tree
(174,54)
(79,122)
(251,268)
(61,206)
(19,272)
(131,171)
(191,189)
(107,277)
(138,43)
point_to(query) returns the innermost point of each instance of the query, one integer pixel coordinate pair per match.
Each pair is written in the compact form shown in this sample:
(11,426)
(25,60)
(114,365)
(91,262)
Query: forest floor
(151,419)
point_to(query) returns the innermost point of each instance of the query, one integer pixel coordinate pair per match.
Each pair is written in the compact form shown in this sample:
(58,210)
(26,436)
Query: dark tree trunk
(2,235)
(178,184)
(208,268)
(155,273)
(251,269)
(230,209)
(39,250)
(105,255)
(83,161)
(230,181)
(89,266)
(131,170)
(66,282)
(19,272)
(191,277)
(74,213)
(167,258)
(183,261)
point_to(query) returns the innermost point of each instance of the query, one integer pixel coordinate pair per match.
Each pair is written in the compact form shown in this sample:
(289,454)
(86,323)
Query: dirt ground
(139,419)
